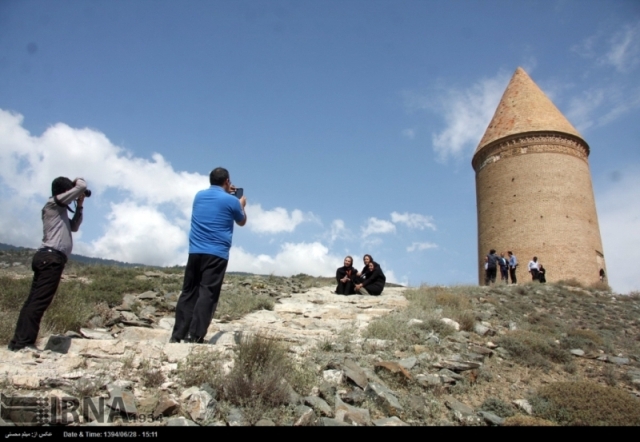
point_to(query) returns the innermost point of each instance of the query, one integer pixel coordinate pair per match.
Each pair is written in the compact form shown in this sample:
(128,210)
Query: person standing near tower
(504,269)
(492,267)
(533,268)
(212,218)
(513,263)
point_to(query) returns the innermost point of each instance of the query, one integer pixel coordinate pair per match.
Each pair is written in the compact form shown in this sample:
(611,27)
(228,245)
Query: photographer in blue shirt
(214,213)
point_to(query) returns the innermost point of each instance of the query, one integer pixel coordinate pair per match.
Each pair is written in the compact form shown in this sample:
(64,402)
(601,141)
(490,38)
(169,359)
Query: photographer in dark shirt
(49,261)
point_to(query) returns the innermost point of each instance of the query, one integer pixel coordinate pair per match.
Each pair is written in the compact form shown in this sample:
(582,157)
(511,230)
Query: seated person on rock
(373,280)
(345,277)
(367,259)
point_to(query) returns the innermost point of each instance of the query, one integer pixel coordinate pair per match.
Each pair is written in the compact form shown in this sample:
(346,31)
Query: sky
(350,124)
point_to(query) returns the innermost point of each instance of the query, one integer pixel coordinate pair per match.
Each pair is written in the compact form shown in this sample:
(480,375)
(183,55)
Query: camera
(87,193)
(238,192)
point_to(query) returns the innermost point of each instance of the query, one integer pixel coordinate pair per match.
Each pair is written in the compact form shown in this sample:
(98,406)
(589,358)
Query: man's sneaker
(194,339)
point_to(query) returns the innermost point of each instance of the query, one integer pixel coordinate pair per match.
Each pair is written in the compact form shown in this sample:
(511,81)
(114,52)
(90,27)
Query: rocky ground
(121,370)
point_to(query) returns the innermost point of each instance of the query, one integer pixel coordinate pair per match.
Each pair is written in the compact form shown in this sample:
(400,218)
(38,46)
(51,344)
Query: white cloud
(413,220)
(338,229)
(599,106)
(467,114)
(620,51)
(139,234)
(419,246)
(624,52)
(409,133)
(377,226)
(311,258)
(149,217)
(619,220)
(274,221)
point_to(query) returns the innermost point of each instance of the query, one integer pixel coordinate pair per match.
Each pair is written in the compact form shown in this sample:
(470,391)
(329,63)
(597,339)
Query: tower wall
(535,198)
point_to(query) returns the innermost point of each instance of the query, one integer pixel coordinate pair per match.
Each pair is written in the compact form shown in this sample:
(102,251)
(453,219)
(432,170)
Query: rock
(480,329)
(93,334)
(458,406)
(305,416)
(414,322)
(332,376)
(181,422)
(451,323)
(350,414)
(429,380)
(58,344)
(523,405)
(355,396)
(150,295)
(353,372)
(167,406)
(121,401)
(577,352)
(235,418)
(199,404)
(409,362)
(265,423)
(490,418)
(384,398)
(329,422)
(618,361)
(393,367)
(318,405)
(392,421)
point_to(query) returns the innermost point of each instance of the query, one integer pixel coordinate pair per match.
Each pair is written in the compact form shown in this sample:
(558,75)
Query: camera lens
(87,193)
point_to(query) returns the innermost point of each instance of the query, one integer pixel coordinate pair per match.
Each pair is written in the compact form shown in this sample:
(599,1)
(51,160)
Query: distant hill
(78,258)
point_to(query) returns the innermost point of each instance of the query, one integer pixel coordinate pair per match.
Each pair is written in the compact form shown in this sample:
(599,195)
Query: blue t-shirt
(214,212)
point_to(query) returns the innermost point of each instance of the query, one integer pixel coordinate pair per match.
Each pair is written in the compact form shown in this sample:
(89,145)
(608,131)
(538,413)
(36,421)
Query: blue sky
(350,124)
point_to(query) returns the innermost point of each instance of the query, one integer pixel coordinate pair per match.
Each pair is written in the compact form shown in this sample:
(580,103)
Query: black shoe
(30,348)
(174,341)
(194,339)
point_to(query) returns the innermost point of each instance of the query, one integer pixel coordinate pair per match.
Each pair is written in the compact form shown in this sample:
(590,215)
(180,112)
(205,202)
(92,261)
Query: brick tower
(533,188)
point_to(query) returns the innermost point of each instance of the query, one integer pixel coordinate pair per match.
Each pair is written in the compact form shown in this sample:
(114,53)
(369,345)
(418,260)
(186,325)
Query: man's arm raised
(243,202)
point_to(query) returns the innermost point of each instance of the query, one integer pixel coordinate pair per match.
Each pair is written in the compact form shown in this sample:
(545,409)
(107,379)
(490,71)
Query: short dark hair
(61,185)
(510,252)
(492,251)
(218,176)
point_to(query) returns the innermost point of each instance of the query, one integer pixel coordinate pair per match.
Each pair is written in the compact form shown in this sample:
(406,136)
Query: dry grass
(256,381)
(586,403)
(533,349)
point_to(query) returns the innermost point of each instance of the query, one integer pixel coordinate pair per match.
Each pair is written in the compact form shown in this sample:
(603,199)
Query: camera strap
(57,201)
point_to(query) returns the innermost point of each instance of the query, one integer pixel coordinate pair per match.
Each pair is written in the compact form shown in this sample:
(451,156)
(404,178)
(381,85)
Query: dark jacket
(342,272)
(374,281)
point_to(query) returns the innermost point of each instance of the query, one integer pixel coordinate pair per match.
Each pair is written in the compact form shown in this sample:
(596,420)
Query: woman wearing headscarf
(374,280)
(345,277)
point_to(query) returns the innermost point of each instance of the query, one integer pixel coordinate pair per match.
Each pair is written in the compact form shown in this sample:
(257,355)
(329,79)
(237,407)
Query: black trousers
(47,269)
(197,304)
(490,275)
(345,288)
(512,272)
(534,274)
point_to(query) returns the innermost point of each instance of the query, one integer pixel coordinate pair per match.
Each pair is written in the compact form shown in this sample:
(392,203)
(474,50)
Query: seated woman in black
(367,259)
(373,282)
(345,276)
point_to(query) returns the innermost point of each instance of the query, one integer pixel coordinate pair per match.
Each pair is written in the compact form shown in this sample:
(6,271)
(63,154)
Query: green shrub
(533,349)
(498,407)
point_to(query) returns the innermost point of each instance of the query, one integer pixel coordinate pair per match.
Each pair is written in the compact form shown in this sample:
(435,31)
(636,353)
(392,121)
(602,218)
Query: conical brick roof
(524,108)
